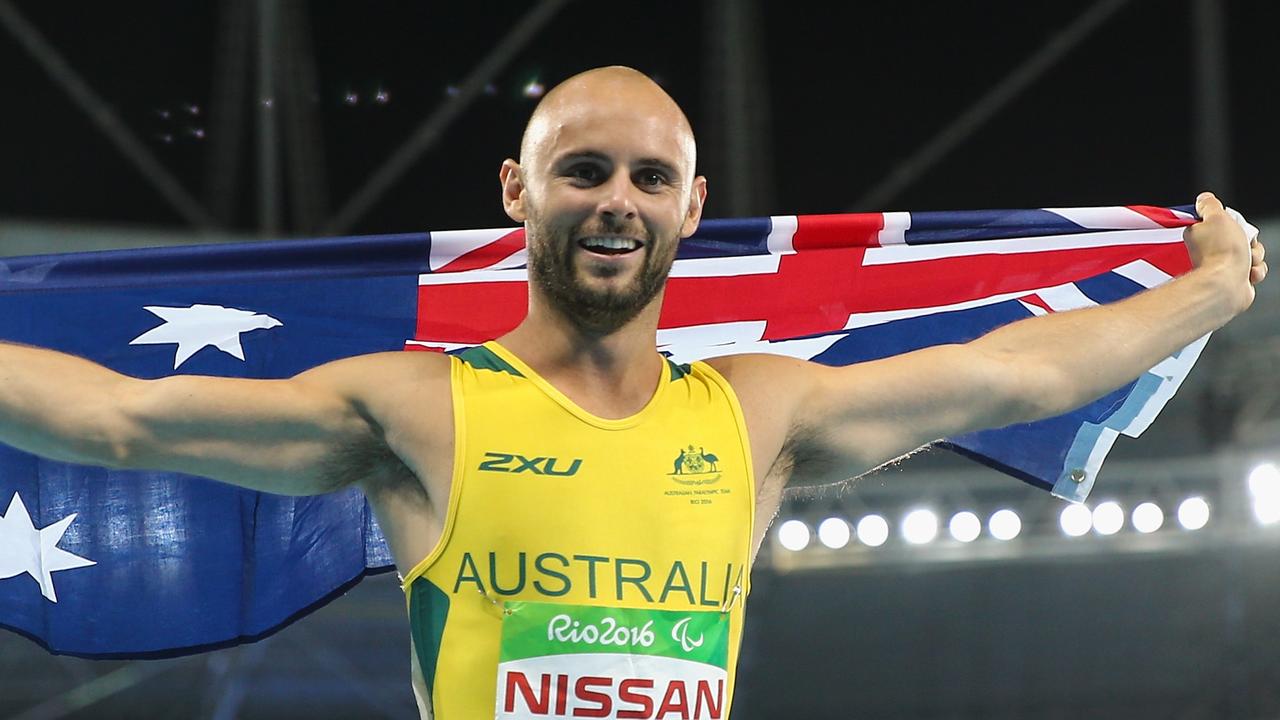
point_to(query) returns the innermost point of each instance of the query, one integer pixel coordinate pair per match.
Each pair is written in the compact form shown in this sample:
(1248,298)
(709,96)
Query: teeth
(611,243)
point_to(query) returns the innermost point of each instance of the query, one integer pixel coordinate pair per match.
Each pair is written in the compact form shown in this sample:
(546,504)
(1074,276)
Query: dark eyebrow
(583,155)
(666,167)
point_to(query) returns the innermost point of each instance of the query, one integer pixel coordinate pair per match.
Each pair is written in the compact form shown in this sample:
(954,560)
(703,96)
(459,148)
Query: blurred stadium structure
(1069,616)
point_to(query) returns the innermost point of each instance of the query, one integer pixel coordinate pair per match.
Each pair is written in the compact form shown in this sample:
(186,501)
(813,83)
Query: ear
(512,190)
(693,215)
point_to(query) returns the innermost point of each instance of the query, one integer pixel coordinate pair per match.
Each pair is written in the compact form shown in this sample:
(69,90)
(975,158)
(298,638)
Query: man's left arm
(826,424)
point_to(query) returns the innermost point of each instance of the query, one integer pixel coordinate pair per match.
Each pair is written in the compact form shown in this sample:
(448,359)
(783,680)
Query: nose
(616,201)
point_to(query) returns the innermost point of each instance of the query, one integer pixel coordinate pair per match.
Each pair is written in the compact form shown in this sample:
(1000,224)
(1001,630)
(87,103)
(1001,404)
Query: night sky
(853,89)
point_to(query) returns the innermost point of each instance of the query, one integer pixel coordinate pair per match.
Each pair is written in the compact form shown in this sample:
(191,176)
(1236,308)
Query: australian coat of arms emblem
(696,466)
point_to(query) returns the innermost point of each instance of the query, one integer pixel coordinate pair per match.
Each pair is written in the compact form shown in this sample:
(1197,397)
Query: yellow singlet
(588,567)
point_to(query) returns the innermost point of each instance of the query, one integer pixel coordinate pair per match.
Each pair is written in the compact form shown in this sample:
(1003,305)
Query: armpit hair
(806,466)
(373,466)
(812,472)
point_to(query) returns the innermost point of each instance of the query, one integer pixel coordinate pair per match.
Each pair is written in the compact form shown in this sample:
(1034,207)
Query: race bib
(593,662)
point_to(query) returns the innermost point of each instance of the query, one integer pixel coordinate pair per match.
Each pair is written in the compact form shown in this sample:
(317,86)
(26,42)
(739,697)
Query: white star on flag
(26,549)
(199,326)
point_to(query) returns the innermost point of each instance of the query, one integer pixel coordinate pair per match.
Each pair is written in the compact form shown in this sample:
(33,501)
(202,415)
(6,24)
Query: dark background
(849,90)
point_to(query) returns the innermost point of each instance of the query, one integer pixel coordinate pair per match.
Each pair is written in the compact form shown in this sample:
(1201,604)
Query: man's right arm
(296,436)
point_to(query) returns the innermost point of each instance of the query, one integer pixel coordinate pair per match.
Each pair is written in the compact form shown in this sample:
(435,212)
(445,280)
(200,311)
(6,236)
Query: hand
(1218,241)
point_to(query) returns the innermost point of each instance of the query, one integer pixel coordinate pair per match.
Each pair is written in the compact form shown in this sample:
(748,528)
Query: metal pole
(304,150)
(268,154)
(101,114)
(226,110)
(740,162)
(525,29)
(1212,100)
(908,170)
(97,689)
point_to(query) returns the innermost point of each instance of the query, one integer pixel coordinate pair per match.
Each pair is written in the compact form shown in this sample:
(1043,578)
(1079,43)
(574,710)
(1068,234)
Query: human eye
(652,178)
(586,173)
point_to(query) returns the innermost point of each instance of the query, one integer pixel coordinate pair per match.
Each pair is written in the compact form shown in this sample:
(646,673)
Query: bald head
(605,187)
(596,95)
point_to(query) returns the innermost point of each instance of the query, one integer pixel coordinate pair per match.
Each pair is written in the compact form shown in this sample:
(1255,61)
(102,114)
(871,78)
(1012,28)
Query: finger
(1208,204)
(1257,273)
(1258,252)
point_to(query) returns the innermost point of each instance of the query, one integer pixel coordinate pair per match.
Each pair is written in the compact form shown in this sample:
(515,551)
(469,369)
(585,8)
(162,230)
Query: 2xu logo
(514,463)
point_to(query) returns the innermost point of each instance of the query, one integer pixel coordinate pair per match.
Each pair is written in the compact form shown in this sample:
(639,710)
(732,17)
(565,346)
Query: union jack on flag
(99,562)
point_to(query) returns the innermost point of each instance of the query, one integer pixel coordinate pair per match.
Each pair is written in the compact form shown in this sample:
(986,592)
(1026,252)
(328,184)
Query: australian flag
(114,563)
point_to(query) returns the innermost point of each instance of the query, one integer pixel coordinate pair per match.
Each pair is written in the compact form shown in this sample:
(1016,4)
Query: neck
(611,375)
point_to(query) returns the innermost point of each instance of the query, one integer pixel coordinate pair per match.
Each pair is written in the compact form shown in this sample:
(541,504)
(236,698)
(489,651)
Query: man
(556,561)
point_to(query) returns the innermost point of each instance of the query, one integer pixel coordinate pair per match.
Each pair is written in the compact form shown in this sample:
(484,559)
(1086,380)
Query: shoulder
(406,395)
(768,377)
(772,390)
(362,375)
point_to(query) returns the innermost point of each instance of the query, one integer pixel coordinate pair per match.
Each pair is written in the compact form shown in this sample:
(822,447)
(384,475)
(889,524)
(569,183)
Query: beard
(596,312)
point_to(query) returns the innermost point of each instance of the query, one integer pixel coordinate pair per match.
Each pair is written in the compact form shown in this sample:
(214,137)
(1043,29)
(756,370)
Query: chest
(658,487)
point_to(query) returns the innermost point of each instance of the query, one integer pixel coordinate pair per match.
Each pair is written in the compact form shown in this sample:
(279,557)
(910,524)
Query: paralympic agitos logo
(516,463)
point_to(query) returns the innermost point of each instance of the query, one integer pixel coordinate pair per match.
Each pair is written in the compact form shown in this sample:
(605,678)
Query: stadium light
(1076,520)
(965,526)
(834,533)
(793,535)
(1266,510)
(1108,518)
(1264,485)
(1147,517)
(1193,513)
(1264,479)
(533,89)
(1005,525)
(873,530)
(920,527)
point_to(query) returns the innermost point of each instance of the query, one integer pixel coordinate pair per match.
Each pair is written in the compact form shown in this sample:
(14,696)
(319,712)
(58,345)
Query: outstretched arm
(305,435)
(843,421)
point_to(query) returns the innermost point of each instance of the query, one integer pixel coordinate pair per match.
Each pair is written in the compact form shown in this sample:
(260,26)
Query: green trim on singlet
(482,358)
(428,609)
(678,371)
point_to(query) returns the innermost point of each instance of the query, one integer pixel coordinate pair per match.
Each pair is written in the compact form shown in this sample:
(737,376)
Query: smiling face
(606,189)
